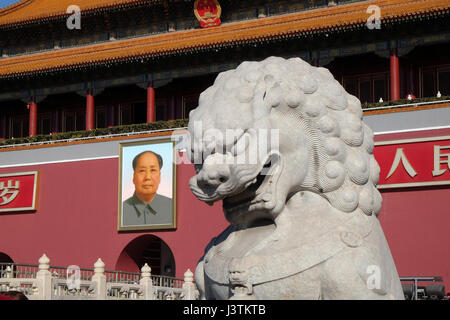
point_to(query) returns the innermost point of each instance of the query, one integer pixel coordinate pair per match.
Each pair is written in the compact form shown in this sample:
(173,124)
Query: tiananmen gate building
(83,81)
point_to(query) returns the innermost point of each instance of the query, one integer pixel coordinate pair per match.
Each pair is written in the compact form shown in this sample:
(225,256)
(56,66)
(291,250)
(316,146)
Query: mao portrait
(147,185)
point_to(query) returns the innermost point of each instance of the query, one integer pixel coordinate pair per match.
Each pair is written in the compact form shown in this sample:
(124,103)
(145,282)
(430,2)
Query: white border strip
(412,130)
(413,184)
(412,140)
(15,174)
(58,161)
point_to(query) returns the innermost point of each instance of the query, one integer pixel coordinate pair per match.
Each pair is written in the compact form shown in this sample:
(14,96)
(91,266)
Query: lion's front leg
(200,279)
(354,275)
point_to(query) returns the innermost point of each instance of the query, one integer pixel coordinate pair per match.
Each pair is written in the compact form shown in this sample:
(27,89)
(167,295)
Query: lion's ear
(268,94)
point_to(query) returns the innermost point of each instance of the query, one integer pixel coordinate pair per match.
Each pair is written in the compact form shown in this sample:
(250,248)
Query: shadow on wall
(148,249)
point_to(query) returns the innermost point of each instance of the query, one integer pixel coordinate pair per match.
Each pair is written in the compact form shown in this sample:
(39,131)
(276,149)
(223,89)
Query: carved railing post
(99,279)
(146,282)
(190,292)
(44,277)
(9,272)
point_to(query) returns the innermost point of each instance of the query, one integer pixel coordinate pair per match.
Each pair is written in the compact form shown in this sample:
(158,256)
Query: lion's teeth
(267,197)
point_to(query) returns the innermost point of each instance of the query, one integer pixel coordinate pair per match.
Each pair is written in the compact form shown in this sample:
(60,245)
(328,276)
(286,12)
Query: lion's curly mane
(345,170)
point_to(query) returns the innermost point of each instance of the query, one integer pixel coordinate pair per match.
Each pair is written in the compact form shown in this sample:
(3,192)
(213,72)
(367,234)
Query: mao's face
(147,175)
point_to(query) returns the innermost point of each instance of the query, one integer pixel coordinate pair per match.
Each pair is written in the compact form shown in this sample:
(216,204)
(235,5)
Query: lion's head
(267,130)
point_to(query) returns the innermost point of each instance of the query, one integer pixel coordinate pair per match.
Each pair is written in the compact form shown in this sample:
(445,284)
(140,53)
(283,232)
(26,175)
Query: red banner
(18,191)
(413,162)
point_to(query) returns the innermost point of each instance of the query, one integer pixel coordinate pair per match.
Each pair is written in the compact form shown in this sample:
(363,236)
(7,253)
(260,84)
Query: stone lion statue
(297,178)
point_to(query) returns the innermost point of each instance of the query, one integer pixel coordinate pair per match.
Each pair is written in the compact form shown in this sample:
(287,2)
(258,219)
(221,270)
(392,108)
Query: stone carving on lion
(301,198)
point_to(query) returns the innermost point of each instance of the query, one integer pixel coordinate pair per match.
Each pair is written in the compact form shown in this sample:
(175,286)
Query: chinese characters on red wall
(415,162)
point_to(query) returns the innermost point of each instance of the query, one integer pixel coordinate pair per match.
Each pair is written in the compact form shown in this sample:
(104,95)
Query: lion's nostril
(207,182)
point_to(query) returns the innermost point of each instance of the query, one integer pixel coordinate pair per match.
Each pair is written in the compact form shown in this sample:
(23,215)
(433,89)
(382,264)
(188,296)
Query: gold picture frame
(134,213)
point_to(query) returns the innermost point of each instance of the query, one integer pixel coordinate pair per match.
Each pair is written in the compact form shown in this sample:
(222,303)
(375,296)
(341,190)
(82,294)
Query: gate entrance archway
(4,258)
(148,249)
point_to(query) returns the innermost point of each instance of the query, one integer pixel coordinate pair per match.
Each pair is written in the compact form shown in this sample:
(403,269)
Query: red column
(315,62)
(33,118)
(150,104)
(395,75)
(89,110)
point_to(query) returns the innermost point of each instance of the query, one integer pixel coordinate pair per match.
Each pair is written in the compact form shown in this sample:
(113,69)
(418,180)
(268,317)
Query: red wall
(76,220)
(416,223)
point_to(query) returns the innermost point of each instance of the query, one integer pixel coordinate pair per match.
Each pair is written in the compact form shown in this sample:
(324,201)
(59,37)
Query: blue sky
(5,3)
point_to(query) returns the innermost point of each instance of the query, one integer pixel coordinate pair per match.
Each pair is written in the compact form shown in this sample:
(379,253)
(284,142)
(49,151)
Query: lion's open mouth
(259,192)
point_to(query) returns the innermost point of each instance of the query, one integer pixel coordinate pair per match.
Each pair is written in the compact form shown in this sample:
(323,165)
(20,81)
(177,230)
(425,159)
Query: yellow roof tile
(29,10)
(227,33)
